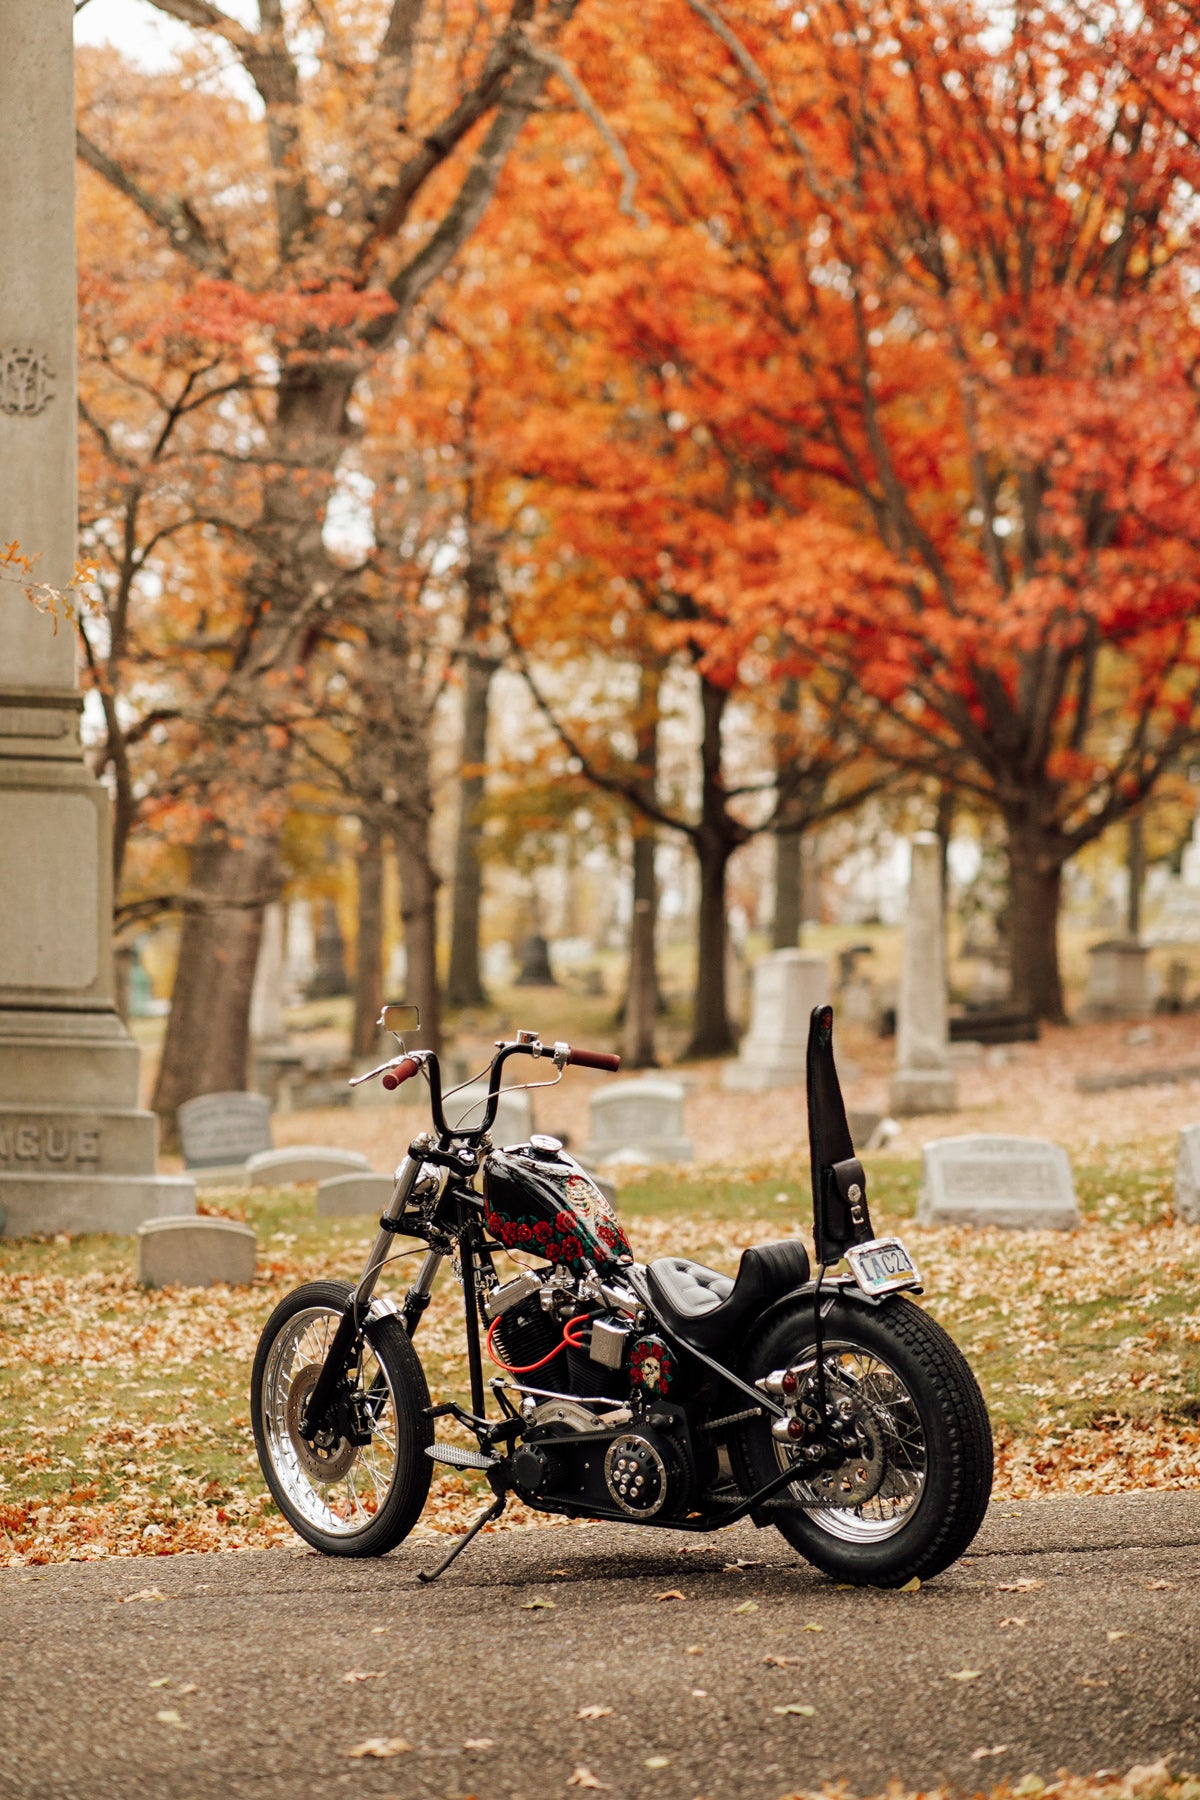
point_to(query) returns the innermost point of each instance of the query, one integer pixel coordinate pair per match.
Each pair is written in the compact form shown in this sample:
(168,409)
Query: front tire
(345,1498)
(923,1407)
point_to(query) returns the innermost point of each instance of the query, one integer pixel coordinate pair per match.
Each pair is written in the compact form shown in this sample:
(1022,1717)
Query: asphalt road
(1094,1662)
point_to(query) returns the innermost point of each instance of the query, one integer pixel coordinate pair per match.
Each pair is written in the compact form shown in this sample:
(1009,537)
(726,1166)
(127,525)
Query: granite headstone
(1018,1183)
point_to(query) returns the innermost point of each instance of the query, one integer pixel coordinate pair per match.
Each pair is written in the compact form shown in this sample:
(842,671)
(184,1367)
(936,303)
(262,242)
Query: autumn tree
(375,143)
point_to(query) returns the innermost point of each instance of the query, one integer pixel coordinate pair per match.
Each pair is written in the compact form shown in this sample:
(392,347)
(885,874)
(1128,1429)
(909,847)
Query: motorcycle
(662,1394)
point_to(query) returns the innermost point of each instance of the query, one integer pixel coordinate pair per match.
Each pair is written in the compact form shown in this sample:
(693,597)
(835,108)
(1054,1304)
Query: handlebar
(594,1059)
(403,1071)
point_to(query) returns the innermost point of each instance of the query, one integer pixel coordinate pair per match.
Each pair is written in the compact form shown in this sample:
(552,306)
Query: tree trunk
(418,914)
(464,983)
(207,1043)
(368,968)
(1035,872)
(1137,873)
(788,922)
(714,841)
(641,1000)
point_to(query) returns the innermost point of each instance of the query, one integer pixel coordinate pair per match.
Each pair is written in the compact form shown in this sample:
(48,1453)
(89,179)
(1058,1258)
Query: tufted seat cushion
(707,1309)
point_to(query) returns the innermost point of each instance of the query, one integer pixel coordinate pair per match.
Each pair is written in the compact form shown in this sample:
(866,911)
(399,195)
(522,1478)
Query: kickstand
(485,1518)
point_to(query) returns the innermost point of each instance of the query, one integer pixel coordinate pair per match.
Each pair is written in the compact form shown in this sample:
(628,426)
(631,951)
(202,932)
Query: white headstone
(221,1130)
(1118,980)
(1018,1183)
(514,1113)
(342,1195)
(299,1163)
(787,984)
(266,1000)
(638,1122)
(1187,1176)
(924,1080)
(300,958)
(197,1252)
(1190,867)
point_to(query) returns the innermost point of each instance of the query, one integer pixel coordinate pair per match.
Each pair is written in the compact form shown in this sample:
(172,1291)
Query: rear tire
(925,1407)
(344,1498)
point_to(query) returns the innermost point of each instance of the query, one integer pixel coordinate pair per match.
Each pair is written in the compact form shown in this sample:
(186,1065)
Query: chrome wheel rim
(358,1477)
(894,1414)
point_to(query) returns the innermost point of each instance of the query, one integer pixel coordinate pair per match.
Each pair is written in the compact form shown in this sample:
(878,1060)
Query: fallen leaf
(189,1687)
(1086,1681)
(694,1650)
(583,1778)
(803,1712)
(1029,1785)
(538,1606)
(747,1606)
(364,1675)
(699,1693)
(966,1675)
(658,1762)
(1112,1636)
(1010,1621)
(479,1744)
(594,1712)
(380,1748)
(1026,1584)
(162,1681)
(994,1750)
(168,1716)
(910,1587)
(780,1662)
(143,1594)
(560,1571)
(1156,1587)
(380,1630)
(814,1628)
(671,1594)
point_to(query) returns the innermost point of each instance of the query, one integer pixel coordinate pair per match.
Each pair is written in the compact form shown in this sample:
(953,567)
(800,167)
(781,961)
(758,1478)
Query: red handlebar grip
(400,1073)
(595,1059)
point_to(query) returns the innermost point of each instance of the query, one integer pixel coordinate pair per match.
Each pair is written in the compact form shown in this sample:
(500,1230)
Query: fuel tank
(540,1200)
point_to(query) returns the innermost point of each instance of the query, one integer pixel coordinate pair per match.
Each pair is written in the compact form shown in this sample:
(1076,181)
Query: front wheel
(915,1494)
(344,1495)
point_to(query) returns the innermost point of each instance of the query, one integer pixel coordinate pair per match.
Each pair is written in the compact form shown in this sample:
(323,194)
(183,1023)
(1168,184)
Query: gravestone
(514,1113)
(1118,980)
(299,1163)
(267,1024)
(787,984)
(1187,1176)
(224,1130)
(299,959)
(535,970)
(329,978)
(924,1080)
(1018,1183)
(638,1122)
(181,1252)
(339,1196)
(80,1155)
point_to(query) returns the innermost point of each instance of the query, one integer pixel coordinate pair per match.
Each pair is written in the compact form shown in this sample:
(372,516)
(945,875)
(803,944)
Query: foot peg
(459,1457)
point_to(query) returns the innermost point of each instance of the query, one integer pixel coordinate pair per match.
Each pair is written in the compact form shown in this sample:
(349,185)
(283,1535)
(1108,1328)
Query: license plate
(882,1266)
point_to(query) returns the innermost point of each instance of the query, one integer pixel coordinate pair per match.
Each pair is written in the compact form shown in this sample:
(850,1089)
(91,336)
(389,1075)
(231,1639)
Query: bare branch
(174,216)
(207,18)
(573,83)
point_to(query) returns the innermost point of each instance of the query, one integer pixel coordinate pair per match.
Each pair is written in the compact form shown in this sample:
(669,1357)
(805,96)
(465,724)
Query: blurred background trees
(569,438)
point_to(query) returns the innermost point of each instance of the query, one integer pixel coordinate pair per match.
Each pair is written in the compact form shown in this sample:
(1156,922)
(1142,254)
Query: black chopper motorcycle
(663,1394)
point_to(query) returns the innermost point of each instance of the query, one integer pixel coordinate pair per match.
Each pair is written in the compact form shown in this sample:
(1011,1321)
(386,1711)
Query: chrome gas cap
(547,1148)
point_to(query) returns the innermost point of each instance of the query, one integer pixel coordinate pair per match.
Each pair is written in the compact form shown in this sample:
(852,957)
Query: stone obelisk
(76,1154)
(924,1080)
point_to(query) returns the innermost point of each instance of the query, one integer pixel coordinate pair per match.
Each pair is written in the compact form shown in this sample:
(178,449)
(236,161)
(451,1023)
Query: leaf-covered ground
(124,1416)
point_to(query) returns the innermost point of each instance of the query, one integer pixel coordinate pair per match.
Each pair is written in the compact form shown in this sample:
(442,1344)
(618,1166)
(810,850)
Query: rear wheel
(348,1498)
(915,1493)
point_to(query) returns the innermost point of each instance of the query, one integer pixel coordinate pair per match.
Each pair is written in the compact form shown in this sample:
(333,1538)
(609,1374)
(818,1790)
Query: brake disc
(860,1477)
(323,1458)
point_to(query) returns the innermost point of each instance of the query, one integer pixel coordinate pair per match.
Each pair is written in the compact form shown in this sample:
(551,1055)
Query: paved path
(1098,1665)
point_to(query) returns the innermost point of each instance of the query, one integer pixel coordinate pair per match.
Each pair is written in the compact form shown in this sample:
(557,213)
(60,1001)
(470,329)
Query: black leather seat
(707,1309)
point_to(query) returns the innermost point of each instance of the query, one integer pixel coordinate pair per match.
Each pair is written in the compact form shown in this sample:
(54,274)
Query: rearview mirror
(400,1018)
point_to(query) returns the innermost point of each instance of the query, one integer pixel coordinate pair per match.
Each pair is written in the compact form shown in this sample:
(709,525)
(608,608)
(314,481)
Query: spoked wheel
(911,1494)
(346,1497)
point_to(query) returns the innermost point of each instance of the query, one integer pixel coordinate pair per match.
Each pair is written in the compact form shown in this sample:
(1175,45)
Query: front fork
(343,1349)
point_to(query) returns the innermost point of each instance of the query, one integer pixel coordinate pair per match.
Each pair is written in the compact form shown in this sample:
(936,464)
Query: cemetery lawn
(124,1415)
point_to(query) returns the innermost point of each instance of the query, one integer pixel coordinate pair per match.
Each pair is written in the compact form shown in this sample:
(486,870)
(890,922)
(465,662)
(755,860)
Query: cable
(528,1368)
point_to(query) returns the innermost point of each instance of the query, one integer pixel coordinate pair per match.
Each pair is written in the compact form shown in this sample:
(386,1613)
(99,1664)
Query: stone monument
(639,1121)
(76,1154)
(1118,980)
(787,984)
(1023,1184)
(1187,1176)
(924,1080)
